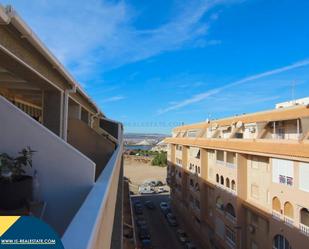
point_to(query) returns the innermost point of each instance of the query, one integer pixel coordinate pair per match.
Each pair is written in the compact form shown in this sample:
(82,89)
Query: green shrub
(160,159)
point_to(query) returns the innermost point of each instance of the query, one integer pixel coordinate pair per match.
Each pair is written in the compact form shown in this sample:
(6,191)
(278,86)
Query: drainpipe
(66,112)
(92,118)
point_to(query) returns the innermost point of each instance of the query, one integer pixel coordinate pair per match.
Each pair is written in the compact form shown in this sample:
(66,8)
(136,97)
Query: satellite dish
(239,124)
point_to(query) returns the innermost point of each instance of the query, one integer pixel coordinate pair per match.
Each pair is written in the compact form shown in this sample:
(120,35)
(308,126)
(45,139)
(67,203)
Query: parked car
(138,208)
(140,222)
(161,190)
(144,234)
(171,219)
(182,236)
(150,205)
(190,245)
(146,244)
(137,204)
(153,183)
(146,190)
(165,208)
(164,204)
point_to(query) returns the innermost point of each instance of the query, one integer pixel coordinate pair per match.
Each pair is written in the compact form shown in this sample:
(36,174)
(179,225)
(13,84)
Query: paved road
(163,236)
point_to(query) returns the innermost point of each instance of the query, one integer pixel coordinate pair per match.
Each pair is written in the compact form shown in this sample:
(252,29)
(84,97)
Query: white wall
(65,175)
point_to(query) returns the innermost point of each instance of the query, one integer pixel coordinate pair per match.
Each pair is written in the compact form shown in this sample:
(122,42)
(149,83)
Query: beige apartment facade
(243,182)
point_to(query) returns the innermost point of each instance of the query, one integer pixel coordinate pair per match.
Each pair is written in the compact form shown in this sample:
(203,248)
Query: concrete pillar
(53,111)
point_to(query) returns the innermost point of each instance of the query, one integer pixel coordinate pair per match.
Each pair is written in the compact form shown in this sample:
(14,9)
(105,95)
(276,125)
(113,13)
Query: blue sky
(155,64)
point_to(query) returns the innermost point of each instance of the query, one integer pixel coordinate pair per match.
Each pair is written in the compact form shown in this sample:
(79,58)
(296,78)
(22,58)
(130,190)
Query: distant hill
(144,135)
(143,138)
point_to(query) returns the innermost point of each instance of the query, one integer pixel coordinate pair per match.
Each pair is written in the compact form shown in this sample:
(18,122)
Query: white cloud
(86,35)
(113,99)
(215,91)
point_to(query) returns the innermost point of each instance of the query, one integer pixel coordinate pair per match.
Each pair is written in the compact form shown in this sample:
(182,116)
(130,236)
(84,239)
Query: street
(163,236)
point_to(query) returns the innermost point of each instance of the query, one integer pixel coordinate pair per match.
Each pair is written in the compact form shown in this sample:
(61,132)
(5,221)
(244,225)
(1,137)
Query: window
(178,147)
(304,217)
(197,187)
(233,185)
(219,203)
(276,205)
(192,133)
(222,180)
(217,178)
(199,170)
(239,135)
(198,155)
(254,191)
(197,203)
(227,182)
(282,171)
(288,210)
(281,242)
(229,209)
(231,157)
(220,155)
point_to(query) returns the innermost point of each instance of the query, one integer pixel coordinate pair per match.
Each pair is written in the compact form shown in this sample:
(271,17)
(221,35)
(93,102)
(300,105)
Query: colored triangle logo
(6,222)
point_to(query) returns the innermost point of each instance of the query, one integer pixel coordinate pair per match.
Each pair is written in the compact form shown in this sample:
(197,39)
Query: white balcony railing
(288,220)
(304,229)
(220,162)
(230,165)
(276,215)
(92,227)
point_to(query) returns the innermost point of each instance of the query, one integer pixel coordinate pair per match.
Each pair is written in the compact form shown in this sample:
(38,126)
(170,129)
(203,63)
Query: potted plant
(15,185)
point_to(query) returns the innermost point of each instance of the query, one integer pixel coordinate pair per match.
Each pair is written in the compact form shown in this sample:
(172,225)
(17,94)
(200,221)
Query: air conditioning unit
(251,229)
(252,129)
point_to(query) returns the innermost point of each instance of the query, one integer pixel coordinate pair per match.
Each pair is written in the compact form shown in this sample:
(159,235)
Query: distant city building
(243,182)
(161,146)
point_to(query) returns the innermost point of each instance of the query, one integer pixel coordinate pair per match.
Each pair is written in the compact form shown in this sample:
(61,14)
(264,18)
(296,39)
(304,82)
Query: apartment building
(78,156)
(243,182)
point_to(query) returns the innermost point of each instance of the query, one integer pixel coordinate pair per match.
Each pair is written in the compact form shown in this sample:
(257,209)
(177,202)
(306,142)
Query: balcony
(288,220)
(304,229)
(276,215)
(98,210)
(231,165)
(87,206)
